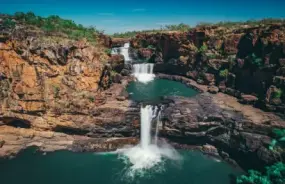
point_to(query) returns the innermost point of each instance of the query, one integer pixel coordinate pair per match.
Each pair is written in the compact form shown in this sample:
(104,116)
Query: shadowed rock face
(241,59)
(219,120)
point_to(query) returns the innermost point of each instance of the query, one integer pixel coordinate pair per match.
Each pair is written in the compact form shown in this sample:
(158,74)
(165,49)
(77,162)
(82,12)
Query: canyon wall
(56,92)
(244,61)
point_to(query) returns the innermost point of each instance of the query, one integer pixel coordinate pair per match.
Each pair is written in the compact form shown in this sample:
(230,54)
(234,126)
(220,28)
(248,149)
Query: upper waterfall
(143,72)
(122,50)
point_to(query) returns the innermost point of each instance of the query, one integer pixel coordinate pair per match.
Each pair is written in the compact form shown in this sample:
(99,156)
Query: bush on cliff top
(55,24)
(179,27)
(8,22)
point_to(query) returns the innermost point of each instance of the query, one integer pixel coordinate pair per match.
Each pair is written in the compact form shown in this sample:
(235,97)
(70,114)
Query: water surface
(157,88)
(63,167)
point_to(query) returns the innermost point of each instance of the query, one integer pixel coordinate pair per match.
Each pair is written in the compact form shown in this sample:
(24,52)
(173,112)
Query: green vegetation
(108,51)
(279,139)
(56,90)
(275,174)
(203,48)
(256,61)
(130,34)
(180,27)
(212,56)
(55,24)
(151,47)
(224,73)
(8,22)
(249,22)
(91,99)
(184,27)
(277,94)
(113,73)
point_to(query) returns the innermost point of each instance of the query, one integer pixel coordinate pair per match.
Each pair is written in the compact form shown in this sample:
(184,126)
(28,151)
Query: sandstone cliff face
(242,60)
(53,89)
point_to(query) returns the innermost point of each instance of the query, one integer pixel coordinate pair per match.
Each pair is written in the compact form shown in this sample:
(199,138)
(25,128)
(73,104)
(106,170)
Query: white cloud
(139,10)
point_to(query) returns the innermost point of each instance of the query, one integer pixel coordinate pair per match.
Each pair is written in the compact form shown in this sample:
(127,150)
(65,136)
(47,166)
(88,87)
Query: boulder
(273,95)
(213,89)
(217,64)
(279,81)
(209,78)
(121,98)
(145,53)
(282,62)
(248,99)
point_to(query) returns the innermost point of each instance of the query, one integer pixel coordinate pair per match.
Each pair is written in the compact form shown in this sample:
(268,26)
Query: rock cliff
(244,61)
(56,91)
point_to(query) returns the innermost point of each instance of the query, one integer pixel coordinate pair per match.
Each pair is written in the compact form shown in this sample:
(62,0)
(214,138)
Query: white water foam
(143,72)
(148,154)
(124,51)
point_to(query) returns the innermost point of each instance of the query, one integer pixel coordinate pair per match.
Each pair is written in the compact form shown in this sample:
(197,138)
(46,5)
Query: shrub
(203,48)
(113,73)
(150,47)
(54,23)
(256,61)
(91,99)
(56,90)
(108,51)
(9,23)
(179,27)
(224,73)
(279,138)
(275,174)
(277,93)
(212,56)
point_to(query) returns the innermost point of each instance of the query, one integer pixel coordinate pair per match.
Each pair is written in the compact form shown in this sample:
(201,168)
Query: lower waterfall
(148,153)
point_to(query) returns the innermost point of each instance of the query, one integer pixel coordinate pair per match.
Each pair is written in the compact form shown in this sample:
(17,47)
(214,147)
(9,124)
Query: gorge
(200,105)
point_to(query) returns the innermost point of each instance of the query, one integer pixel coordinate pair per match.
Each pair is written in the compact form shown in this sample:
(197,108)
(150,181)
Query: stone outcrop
(241,131)
(240,60)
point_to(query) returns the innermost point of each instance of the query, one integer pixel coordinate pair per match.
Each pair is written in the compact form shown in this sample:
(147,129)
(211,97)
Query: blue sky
(127,15)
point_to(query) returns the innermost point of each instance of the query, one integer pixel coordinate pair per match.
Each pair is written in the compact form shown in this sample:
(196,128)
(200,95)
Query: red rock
(209,78)
(213,89)
(145,53)
(248,99)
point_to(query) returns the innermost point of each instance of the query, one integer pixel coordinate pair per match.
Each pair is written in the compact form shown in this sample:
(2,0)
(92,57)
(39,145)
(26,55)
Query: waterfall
(146,118)
(123,50)
(148,154)
(143,72)
(158,123)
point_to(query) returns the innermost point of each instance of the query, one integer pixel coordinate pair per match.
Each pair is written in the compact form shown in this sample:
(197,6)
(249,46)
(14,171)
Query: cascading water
(148,154)
(123,50)
(143,72)
(158,123)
